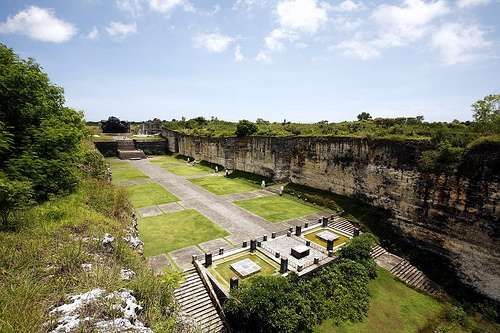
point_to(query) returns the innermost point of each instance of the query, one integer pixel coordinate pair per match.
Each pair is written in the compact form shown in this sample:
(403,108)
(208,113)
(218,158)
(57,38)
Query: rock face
(448,223)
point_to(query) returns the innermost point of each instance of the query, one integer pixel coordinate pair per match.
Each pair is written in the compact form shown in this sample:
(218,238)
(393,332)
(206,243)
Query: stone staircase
(410,275)
(342,225)
(377,251)
(127,151)
(196,304)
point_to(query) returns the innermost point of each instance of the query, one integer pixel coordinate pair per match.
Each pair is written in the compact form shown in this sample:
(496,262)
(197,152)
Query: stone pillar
(288,233)
(264,238)
(306,225)
(316,260)
(308,243)
(194,257)
(284,265)
(332,217)
(273,235)
(355,232)
(226,173)
(282,188)
(216,169)
(298,230)
(299,268)
(221,251)
(263,184)
(233,283)
(277,255)
(324,222)
(330,253)
(253,245)
(329,245)
(259,243)
(245,244)
(208,259)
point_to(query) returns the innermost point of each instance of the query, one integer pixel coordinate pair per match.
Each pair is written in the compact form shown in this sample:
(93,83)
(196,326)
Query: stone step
(131,154)
(196,305)
(193,299)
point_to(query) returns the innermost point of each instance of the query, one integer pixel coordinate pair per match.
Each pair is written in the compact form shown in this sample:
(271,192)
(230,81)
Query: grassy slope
(276,209)
(149,194)
(168,232)
(223,185)
(394,307)
(41,262)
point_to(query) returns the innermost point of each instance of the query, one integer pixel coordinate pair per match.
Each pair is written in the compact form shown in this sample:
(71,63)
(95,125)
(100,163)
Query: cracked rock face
(100,311)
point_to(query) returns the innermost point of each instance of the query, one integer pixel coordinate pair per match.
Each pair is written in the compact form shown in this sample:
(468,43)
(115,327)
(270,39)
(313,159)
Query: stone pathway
(247,195)
(241,224)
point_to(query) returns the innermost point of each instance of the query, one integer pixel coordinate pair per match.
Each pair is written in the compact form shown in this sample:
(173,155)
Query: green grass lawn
(168,232)
(223,185)
(312,236)
(394,308)
(124,171)
(149,194)
(276,209)
(223,272)
(180,167)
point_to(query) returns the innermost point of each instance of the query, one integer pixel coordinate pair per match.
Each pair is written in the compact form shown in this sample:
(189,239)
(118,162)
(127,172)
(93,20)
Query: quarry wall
(448,222)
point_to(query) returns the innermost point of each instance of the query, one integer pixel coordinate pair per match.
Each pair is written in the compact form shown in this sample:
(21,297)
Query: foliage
(14,195)
(41,262)
(245,128)
(444,158)
(487,114)
(358,249)
(47,134)
(364,116)
(115,125)
(338,292)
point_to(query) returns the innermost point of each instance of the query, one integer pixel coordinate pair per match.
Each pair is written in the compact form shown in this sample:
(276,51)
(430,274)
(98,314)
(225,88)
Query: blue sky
(300,60)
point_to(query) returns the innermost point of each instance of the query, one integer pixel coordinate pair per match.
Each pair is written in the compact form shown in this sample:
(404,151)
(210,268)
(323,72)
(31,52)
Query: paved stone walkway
(242,225)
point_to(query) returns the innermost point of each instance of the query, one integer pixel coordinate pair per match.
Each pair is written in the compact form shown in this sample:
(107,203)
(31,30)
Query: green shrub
(245,128)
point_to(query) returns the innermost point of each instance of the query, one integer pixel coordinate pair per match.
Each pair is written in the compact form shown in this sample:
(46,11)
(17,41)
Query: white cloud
(274,41)
(458,43)
(359,49)
(213,42)
(39,24)
(238,56)
(347,24)
(348,6)
(263,56)
(301,15)
(249,4)
(121,30)
(133,7)
(166,6)
(471,3)
(93,34)
(400,25)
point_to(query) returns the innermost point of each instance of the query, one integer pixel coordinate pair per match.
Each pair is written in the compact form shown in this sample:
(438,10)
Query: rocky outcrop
(447,223)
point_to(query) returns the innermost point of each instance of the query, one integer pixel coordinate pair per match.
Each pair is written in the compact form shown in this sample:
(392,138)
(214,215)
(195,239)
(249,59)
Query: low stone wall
(110,148)
(452,220)
(107,148)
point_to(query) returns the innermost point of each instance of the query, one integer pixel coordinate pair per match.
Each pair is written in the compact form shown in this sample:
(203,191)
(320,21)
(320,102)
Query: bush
(359,250)
(245,128)
(14,195)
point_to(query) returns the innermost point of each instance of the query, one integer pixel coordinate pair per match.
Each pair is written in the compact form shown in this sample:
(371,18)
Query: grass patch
(223,185)
(394,307)
(223,272)
(180,167)
(277,209)
(313,238)
(167,232)
(149,194)
(124,171)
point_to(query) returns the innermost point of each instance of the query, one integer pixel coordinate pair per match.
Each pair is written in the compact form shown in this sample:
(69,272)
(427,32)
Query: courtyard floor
(181,214)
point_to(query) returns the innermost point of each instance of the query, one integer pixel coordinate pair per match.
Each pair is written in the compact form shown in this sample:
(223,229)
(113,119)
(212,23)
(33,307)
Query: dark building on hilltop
(115,125)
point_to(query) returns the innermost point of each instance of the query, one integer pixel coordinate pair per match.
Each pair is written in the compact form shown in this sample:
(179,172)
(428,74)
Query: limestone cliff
(448,223)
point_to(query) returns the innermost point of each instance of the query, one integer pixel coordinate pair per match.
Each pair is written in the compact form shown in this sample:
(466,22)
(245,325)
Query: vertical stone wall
(453,218)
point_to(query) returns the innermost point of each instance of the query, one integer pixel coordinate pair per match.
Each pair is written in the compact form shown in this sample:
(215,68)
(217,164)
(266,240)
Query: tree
(364,116)
(486,113)
(47,134)
(245,128)
(14,195)
(359,250)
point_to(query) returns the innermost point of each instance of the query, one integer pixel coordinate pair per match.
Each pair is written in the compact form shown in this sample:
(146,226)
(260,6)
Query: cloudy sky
(303,60)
